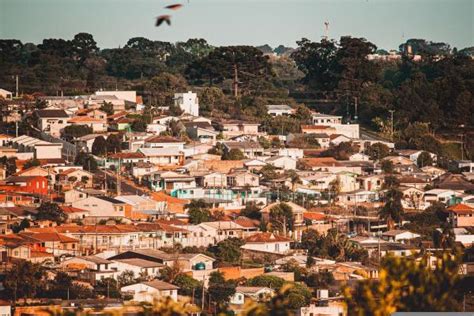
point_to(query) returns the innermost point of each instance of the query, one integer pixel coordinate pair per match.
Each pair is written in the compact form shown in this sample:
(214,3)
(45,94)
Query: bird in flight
(174,6)
(163,18)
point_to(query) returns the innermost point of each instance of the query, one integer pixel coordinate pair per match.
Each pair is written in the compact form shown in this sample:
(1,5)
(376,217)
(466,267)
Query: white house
(130,96)
(52,121)
(282,162)
(255,293)
(188,102)
(267,242)
(279,109)
(149,291)
(313,310)
(139,267)
(101,206)
(399,235)
(5,94)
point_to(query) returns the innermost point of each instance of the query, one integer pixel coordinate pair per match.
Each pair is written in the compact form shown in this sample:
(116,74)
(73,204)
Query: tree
(211,98)
(377,151)
(139,125)
(281,218)
(318,62)
(424,159)
(75,131)
(86,161)
(269,281)
(84,46)
(163,87)
(333,245)
(228,250)
(10,165)
(107,107)
(233,154)
(220,64)
(31,163)
(114,143)
(387,166)
(392,208)
(108,288)
(407,285)
(23,280)
(220,289)
(99,146)
(51,212)
(251,210)
(341,151)
(188,286)
(198,211)
(125,278)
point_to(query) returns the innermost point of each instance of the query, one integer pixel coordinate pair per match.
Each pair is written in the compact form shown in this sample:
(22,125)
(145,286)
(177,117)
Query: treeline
(437,90)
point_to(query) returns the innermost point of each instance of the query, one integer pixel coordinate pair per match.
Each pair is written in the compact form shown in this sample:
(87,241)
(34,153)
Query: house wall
(100,208)
(277,247)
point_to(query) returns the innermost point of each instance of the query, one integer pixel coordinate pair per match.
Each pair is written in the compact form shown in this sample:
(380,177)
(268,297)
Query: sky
(386,23)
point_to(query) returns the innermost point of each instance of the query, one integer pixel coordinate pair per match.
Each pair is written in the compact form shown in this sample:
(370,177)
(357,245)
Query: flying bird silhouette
(163,18)
(174,6)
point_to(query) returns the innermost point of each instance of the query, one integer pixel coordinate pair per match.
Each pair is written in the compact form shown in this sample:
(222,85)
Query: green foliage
(10,165)
(281,218)
(387,166)
(377,151)
(108,288)
(75,131)
(31,163)
(233,154)
(86,161)
(228,250)
(18,227)
(51,212)
(341,151)
(269,281)
(406,285)
(424,159)
(198,212)
(125,278)
(99,146)
(114,143)
(220,289)
(163,87)
(251,210)
(392,208)
(188,285)
(139,125)
(107,107)
(332,245)
(24,280)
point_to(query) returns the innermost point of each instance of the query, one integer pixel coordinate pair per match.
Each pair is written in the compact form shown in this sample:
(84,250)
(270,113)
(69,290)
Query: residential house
(188,102)
(163,156)
(279,109)
(90,268)
(439,195)
(168,181)
(6,95)
(267,242)
(103,207)
(52,242)
(51,121)
(325,119)
(150,291)
(241,178)
(163,142)
(97,125)
(248,148)
(399,235)
(140,267)
(461,215)
(233,128)
(202,132)
(244,294)
(29,184)
(413,154)
(282,162)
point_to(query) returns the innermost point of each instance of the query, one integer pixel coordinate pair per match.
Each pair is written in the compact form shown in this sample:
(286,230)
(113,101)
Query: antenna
(326,30)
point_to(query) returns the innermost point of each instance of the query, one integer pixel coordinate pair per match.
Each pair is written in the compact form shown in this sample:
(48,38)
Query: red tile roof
(461,209)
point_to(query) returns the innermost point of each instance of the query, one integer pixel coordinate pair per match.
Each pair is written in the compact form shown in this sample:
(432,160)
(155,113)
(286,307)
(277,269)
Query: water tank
(200,266)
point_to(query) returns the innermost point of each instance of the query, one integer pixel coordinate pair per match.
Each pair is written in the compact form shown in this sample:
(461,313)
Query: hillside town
(116,204)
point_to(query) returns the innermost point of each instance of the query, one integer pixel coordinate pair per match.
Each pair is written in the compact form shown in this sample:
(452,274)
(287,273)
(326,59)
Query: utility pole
(118,179)
(356,100)
(391,118)
(16,81)
(235,83)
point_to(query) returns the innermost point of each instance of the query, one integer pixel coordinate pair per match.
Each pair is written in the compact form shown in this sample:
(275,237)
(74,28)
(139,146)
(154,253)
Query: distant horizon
(386,23)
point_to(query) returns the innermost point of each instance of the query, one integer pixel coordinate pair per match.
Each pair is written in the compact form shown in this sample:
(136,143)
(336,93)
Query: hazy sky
(225,22)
